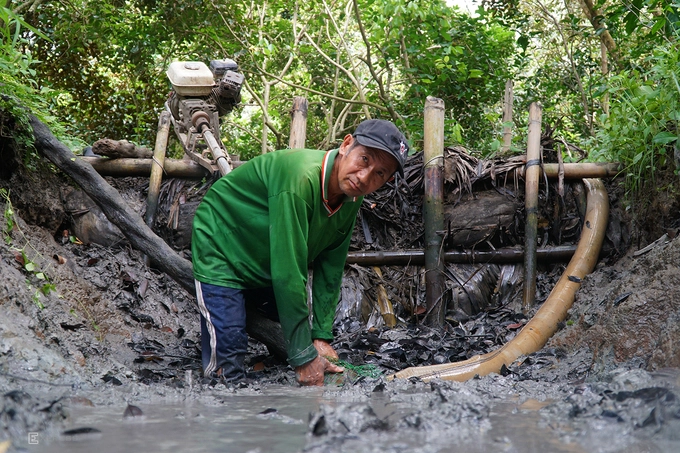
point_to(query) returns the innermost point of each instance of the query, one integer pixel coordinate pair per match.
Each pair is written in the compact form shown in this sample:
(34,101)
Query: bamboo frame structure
(543,325)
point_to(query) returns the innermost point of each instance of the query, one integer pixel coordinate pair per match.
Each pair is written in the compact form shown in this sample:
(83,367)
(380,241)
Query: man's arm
(288,242)
(328,271)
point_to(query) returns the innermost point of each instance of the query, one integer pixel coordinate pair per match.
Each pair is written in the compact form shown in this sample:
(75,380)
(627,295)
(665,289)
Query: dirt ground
(84,323)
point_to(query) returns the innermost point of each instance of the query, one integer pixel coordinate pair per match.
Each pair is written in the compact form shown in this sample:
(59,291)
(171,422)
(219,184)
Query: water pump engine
(200,96)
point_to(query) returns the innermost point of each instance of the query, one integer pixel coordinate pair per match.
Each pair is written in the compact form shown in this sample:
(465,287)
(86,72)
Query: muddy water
(277,419)
(274,421)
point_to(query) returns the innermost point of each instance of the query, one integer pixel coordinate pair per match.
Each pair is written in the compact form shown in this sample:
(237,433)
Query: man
(258,229)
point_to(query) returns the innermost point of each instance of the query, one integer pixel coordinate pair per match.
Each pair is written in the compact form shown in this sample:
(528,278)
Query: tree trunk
(594,17)
(119,148)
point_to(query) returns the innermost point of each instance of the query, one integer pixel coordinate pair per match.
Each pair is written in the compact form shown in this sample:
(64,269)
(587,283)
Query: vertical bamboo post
(157,167)
(532,172)
(508,101)
(298,126)
(433,210)
(157,171)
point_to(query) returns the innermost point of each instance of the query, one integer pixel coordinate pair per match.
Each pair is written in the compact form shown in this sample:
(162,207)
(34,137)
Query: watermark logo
(33,438)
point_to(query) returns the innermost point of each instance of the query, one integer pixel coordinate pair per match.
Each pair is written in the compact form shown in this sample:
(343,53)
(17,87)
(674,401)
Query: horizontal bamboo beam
(580,170)
(180,168)
(417,257)
(173,168)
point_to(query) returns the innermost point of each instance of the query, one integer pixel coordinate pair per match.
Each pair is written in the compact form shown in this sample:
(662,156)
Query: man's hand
(311,373)
(326,350)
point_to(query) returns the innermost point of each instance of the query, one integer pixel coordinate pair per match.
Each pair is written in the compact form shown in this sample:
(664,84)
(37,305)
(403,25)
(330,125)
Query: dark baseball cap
(383,135)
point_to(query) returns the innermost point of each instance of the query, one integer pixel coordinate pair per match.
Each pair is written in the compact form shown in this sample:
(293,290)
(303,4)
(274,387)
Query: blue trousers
(224,341)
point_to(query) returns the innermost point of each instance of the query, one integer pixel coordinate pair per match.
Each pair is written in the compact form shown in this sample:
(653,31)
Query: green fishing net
(355,371)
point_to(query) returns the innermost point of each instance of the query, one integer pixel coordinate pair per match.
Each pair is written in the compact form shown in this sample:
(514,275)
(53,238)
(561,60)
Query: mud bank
(113,332)
(84,324)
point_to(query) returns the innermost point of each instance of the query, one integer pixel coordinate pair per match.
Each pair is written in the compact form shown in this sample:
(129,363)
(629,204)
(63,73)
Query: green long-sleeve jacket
(263,224)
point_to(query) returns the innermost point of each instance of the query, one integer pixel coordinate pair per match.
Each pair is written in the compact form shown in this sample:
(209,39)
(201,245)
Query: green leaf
(631,21)
(658,24)
(29,266)
(664,138)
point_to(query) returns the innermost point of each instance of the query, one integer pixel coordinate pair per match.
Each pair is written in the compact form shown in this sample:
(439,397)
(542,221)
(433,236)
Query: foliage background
(96,69)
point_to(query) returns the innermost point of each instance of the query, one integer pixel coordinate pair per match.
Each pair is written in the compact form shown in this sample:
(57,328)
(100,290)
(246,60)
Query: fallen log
(114,207)
(119,148)
(132,225)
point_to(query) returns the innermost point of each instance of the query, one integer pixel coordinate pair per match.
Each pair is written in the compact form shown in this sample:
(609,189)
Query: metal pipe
(417,257)
(201,122)
(531,205)
(433,210)
(544,324)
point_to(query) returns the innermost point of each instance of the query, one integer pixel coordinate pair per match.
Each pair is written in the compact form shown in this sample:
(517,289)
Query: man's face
(364,170)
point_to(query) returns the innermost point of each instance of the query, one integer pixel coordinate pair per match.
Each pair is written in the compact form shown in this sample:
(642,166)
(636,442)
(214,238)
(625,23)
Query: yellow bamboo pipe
(554,310)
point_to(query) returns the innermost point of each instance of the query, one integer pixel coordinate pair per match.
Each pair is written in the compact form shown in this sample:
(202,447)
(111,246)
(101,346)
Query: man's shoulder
(299,154)
(294,161)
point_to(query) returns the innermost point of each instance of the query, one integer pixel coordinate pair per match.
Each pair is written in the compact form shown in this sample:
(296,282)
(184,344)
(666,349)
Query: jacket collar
(326,170)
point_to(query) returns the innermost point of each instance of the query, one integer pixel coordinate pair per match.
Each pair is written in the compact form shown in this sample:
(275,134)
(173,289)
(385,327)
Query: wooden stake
(298,127)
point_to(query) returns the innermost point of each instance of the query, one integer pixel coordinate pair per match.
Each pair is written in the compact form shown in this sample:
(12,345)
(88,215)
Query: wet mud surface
(103,330)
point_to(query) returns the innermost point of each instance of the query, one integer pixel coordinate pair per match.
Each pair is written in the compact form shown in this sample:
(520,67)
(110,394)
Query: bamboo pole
(298,126)
(173,168)
(507,116)
(533,171)
(433,210)
(580,170)
(499,256)
(185,168)
(156,172)
(157,169)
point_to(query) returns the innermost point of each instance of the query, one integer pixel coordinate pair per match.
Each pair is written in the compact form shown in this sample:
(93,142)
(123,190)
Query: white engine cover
(191,78)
